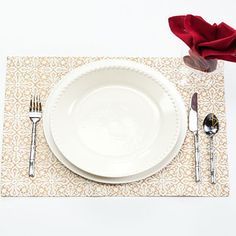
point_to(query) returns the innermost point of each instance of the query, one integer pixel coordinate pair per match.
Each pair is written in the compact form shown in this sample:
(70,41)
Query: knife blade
(193,114)
(193,127)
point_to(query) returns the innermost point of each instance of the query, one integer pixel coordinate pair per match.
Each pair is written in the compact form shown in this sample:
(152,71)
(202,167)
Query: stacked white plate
(114,121)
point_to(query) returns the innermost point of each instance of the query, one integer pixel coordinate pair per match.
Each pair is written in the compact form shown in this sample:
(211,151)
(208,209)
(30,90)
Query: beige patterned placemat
(26,74)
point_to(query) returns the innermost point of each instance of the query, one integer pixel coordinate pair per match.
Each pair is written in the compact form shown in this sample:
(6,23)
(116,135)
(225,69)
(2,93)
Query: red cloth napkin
(209,41)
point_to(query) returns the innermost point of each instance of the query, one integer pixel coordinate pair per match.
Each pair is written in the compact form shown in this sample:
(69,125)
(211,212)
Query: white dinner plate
(75,169)
(114,119)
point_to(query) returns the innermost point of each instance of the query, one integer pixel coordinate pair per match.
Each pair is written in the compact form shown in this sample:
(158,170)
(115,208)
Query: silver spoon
(211,127)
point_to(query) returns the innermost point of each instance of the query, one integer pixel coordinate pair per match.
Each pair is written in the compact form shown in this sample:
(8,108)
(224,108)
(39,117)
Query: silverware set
(211,127)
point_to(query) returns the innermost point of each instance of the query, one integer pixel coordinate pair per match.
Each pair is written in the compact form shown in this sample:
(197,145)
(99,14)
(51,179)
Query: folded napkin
(209,41)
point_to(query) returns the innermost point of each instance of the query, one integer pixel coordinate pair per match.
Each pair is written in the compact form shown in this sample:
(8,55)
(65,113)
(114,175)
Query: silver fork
(35,114)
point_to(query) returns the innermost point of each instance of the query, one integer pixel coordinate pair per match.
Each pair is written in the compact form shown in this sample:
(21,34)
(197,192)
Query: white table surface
(113,28)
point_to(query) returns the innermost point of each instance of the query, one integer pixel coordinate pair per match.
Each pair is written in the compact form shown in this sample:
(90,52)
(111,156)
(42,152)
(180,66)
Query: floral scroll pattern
(27,74)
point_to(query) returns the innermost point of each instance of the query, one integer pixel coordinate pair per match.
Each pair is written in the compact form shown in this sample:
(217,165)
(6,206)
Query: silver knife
(193,127)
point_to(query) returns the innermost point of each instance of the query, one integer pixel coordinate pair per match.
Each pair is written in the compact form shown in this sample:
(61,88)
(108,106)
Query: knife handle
(197,157)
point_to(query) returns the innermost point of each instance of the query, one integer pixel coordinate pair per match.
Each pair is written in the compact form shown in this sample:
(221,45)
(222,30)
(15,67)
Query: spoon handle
(197,157)
(213,162)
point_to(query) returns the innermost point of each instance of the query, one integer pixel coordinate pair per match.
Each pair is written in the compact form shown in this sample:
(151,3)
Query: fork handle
(32,151)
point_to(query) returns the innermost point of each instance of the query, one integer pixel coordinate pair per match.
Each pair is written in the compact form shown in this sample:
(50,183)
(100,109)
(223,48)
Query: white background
(113,28)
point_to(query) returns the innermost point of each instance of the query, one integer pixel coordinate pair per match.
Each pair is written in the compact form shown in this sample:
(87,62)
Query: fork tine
(30,107)
(40,105)
(37,103)
(34,101)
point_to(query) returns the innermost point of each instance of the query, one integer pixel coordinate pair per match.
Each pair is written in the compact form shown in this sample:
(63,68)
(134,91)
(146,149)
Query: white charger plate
(114,83)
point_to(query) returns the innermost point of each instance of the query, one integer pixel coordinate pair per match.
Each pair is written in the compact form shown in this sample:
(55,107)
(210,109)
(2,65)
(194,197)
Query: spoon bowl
(211,124)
